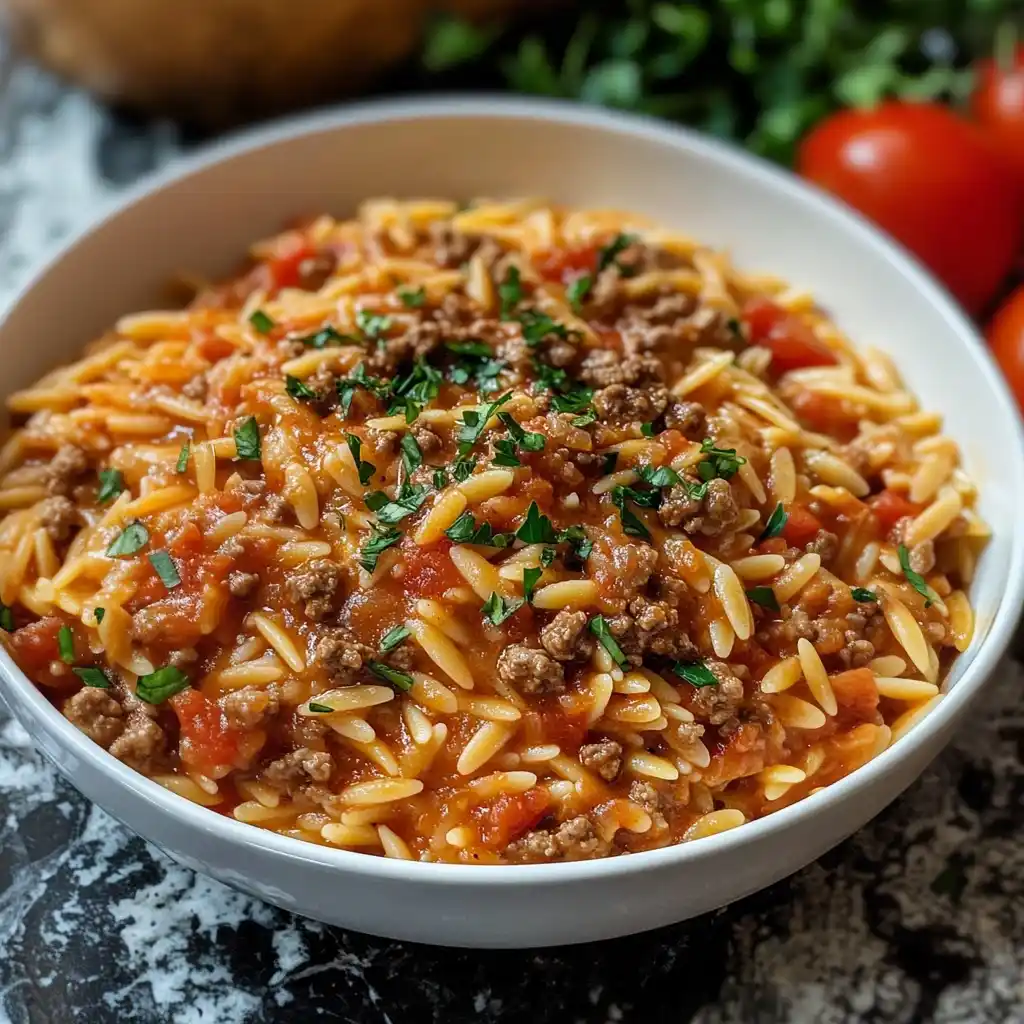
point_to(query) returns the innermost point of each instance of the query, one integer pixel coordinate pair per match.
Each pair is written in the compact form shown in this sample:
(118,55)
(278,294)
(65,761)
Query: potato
(215,62)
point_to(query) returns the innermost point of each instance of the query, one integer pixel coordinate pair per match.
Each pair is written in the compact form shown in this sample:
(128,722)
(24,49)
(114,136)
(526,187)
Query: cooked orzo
(495,533)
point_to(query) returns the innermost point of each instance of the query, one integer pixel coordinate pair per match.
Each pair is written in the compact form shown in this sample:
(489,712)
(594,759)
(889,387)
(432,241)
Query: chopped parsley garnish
(548,555)
(298,390)
(364,469)
(247,439)
(506,454)
(474,423)
(399,680)
(660,476)
(696,673)
(735,327)
(92,677)
(319,709)
(346,387)
(99,613)
(465,531)
(537,326)
(6,618)
(393,638)
(165,568)
(863,595)
(462,469)
(576,537)
(373,325)
(720,462)
(610,461)
(415,391)
(165,682)
(499,608)
(915,579)
(585,420)
(111,485)
(578,290)
(475,364)
(599,628)
(632,525)
(440,478)
(510,292)
(530,577)
(608,254)
(182,464)
(66,645)
(324,337)
(261,322)
(536,528)
(413,298)
(131,539)
(765,597)
(647,429)
(776,523)
(576,400)
(527,440)
(380,540)
(412,457)
(392,510)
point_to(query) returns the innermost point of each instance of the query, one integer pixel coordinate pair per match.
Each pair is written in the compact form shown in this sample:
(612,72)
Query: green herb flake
(599,627)
(298,390)
(499,608)
(92,677)
(660,476)
(510,292)
(324,337)
(537,326)
(765,597)
(577,400)
(474,423)
(165,568)
(462,469)
(247,440)
(346,387)
(412,457)
(261,322)
(165,682)
(373,325)
(578,291)
(465,531)
(608,254)
(536,528)
(547,556)
(915,579)
(723,463)
(696,673)
(632,525)
(413,298)
(506,455)
(776,523)
(610,461)
(131,539)
(863,595)
(393,638)
(111,485)
(576,537)
(66,645)
(393,510)
(415,391)
(319,709)
(364,469)
(399,680)
(380,540)
(440,478)
(647,429)
(98,613)
(530,577)
(182,464)
(6,618)
(585,420)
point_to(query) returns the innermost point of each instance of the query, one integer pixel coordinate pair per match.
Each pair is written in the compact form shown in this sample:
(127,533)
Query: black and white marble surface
(917,918)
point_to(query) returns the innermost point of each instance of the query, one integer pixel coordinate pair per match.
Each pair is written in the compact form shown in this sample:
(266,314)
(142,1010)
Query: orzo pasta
(495,533)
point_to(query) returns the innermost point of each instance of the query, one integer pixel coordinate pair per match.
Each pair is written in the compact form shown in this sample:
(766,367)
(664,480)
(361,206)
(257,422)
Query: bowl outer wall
(203,212)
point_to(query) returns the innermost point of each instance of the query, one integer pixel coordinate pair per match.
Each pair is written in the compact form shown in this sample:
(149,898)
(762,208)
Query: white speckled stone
(920,917)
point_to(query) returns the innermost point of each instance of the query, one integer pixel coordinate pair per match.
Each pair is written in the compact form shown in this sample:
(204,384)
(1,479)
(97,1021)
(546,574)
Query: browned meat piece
(314,271)
(566,637)
(95,712)
(618,403)
(560,465)
(59,517)
(196,387)
(622,570)
(672,324)
(719,705)
(242,584)
(451,248)
(601,368)
(383,442)
(603,757)
(232,547)
(342,656)
(316,583)
(688,418)
(561,352)
(65,468)
(142,745)
(251,706)
(530,670)
(714,514)
(390,354)
(824,544)
(647,797)
(430,444)
(651,627)
(575,839)
(275,509)
(856,651)
(297,769)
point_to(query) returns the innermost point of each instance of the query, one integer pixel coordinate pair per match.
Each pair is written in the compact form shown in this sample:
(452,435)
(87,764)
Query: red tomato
(285,269)
(562,264)
(930,179)
(207,741)
(998,104)
(510,815)
(857,693)
(1006,336)
(35,646)
(792,343)
(825,413)
(429,571)
(890,507)
(801,526)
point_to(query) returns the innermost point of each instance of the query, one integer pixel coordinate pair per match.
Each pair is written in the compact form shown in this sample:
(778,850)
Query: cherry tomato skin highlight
(1006,338)
(933,181)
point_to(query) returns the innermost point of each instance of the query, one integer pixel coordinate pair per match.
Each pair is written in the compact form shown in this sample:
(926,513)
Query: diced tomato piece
(824,413)
(856,693)
(562,264)
(429,571)
(889,507)
(792,343)
(213,349)
(207,741)
(35,646)
(510,815)
(801,526)
(284,270)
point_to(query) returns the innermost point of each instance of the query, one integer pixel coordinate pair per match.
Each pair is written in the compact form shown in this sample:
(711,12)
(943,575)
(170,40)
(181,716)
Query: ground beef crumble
(316,583)
(95,712)
(251,706)
(530,670)
(566,637)
(59,517)
(297,769)
(603,757)
(712,515)
(575,839)
(342,656)
(65,468)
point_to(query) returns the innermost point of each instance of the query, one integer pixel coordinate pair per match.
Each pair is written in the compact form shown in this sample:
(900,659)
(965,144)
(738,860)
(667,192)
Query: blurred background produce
(910,110)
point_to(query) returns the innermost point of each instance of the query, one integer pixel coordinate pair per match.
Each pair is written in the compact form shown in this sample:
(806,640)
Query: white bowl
(203,214)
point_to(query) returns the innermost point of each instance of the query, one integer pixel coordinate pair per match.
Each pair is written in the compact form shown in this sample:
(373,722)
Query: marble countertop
(917,918)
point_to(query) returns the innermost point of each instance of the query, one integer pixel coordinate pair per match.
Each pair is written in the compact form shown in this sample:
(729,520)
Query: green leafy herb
(696,673)
(576,537)
(776,523)
(915,579)
(736,327)
(131,539)
(521,439)
(261,322)
(92,677)
(510,292)
(452,41)
(247,439)
(632,525)
(364,469)
(324,337)
(298,390)
(413,298)
(575,400)
(347,386)
(99,613)
(537,326)
(660,476)
(465,531)
(165,568)
(393,638)
(536,528)
(111,485)
(530,577)
(600,629)
(412,457)
(393,510)
(863,595)
(720,462)
(610,461)
(440,478)
(547,556)
(765,597)
(319,709)
(474,423)
(165,682)
(182,464)
(6,618)
(475,364)
(506,454)
(608,254)
(585,420)
(380,540)
(416,390)
(373,325)
(66,645)
(462,469)
(647,429)
(399,680)
(578,290)
(499,608)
